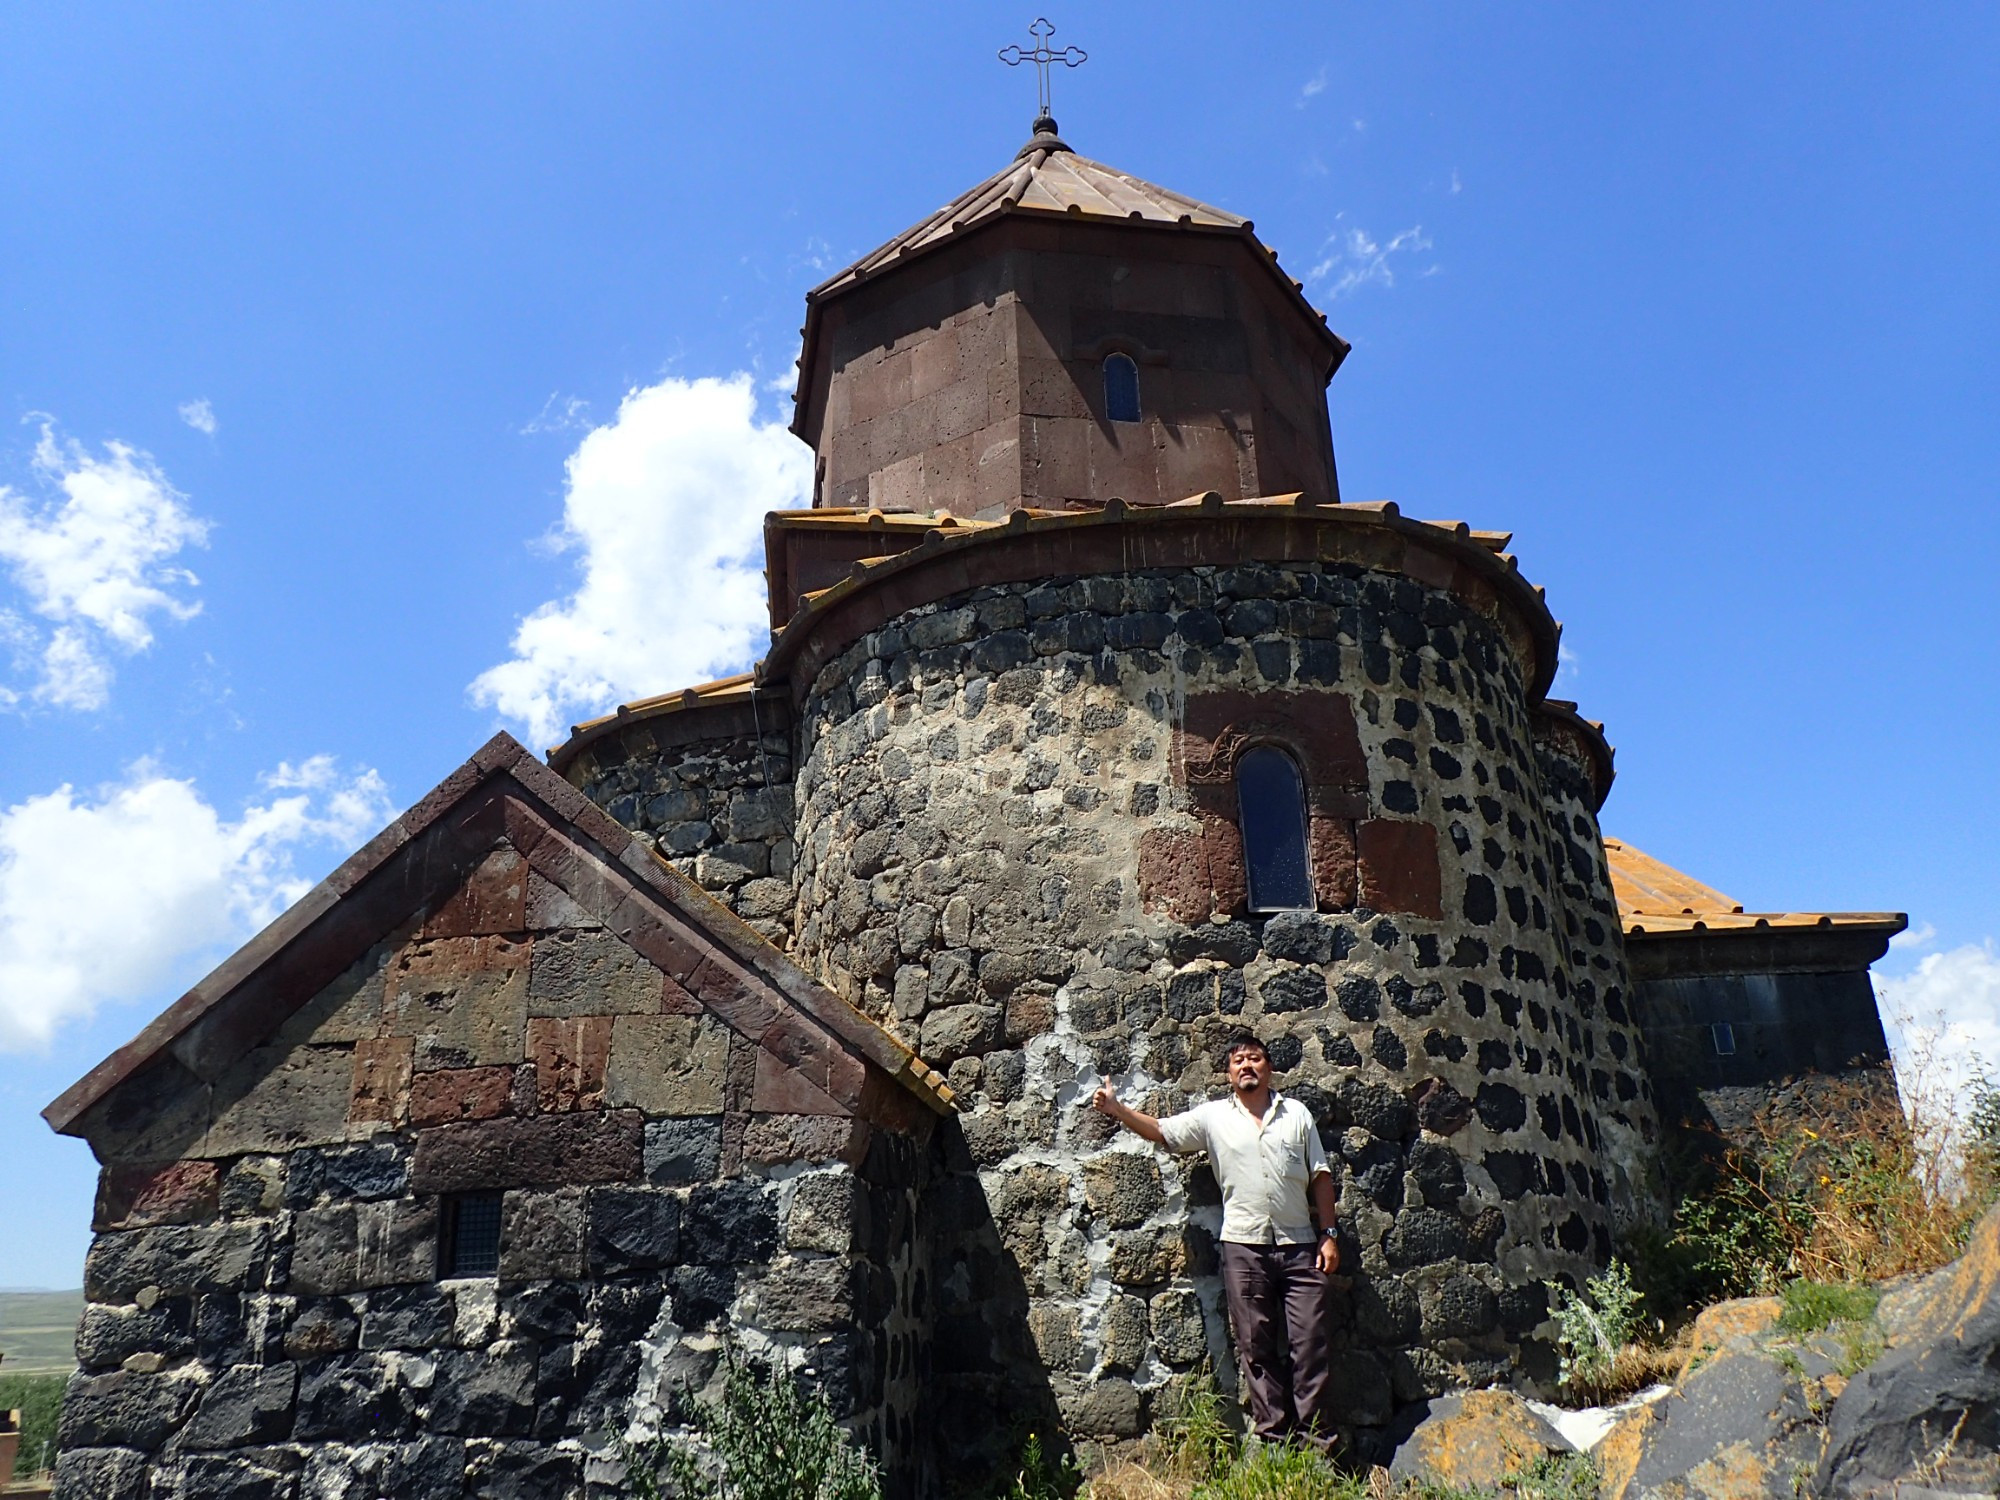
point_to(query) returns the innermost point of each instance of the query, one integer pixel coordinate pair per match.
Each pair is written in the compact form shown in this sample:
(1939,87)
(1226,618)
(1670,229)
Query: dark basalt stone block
(1424,1236)
(351,1398)
(1233,943)
(1376,1108)
(407,1317)
(243,1405)
(1437,1172)
(123,1409)
(1480,905)
(1294,990)
(106,1336)
(344,1173)
(1388,1050)
(1414,1000)
(700,1295)
(484,1392)
(1358,996)
(1501,1107)
(632,1229)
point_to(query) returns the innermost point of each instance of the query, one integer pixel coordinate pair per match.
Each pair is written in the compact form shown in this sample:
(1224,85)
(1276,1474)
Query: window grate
(471,1235)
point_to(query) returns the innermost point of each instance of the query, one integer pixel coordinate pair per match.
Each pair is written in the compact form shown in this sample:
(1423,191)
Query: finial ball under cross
(1041,55)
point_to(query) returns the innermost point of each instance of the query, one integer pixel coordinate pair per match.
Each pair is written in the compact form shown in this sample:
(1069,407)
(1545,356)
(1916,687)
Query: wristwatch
(1329,1234)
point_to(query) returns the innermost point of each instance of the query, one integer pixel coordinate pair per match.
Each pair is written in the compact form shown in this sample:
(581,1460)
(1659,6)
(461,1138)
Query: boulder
(1928,1410)
(1725,1324)
(1476,1440)
(1742,1424)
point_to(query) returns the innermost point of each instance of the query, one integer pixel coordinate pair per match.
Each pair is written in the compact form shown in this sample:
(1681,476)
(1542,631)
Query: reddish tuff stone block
(1317,728)
(1398,863)
(381,1080)
(493,899)
(180,1192)
(1173,874)
(449,1094)
(769,1139)
(546,1151)
(570,1057)
(1330,844)
(779,1089)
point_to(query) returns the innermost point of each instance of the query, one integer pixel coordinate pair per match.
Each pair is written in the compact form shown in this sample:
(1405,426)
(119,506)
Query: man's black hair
(1242,1038)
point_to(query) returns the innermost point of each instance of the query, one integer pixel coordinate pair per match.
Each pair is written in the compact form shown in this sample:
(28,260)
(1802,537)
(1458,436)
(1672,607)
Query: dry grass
(1127,1479)
(1633,1368)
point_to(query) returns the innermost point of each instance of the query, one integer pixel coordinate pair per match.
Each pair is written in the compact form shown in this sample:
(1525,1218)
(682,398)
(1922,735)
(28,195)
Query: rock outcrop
(1928,1410)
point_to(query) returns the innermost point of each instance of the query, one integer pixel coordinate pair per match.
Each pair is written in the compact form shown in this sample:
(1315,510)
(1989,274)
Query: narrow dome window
(1121,388)
(1271,805)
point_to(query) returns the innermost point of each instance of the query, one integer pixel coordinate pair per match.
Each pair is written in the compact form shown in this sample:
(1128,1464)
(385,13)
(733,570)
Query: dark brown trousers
(1278,1309)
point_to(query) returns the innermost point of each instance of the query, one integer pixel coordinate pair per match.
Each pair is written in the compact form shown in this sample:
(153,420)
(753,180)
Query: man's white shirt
(1264,1167)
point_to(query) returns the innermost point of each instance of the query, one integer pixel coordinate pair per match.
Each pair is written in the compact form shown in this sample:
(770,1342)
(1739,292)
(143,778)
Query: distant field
(38,1331)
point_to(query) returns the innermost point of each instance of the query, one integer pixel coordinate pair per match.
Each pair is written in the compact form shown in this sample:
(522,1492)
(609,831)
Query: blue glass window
(1725,1039)
(1121,388)
(1271,807)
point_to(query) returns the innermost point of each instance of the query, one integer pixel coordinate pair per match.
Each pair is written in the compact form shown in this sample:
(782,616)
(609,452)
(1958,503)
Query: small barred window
(1121,388)
(1271,808)
(471,1240)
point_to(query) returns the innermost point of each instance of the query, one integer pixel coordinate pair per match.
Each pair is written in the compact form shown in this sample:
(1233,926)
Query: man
(1267,1156)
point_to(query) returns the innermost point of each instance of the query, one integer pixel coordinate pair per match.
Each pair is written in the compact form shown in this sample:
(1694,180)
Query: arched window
(1121,388)
(1271,805)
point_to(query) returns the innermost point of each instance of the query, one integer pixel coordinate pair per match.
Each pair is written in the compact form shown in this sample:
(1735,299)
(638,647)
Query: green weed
(1040,1478)
(39,1400)
(1281,1471)
(1813,1305)
(765,1438)
(1592,1328)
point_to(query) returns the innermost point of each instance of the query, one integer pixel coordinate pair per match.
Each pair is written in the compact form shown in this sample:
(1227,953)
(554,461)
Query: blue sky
(337,341)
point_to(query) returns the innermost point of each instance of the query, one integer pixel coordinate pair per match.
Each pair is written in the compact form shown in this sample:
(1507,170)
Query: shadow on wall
(986,1387)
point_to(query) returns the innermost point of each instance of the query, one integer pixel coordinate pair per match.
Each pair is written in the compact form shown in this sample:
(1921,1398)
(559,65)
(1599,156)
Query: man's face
(1249,1069)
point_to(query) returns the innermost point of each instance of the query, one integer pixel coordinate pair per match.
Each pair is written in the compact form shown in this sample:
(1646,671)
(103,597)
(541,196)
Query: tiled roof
(1047,178)
(1656,899)
(902,532)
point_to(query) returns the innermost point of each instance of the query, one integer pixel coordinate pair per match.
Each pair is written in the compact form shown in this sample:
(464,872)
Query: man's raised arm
(1106,1101)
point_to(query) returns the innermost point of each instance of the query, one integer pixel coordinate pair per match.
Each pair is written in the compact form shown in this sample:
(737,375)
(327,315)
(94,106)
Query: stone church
(1095,723)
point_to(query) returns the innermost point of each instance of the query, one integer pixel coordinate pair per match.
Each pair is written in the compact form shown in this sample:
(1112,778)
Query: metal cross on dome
(1041,55)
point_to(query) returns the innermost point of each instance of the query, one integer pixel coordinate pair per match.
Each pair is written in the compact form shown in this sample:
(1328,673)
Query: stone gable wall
(265,1316)
(718,807)
(996,822)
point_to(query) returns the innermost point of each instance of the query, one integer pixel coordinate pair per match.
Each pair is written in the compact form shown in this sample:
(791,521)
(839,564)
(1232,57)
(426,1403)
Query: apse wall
(1016,845)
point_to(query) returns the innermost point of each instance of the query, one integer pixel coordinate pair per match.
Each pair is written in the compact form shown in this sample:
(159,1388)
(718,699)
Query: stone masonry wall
(265,1316)
(1002,820)
(1616,1065)
(718,806)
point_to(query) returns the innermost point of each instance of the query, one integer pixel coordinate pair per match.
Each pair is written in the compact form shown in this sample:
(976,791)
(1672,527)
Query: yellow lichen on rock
(1478,1440)
(1740,1318)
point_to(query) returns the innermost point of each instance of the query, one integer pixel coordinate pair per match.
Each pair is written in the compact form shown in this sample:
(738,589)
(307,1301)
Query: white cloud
(1351,259)
(1914,937)
(1315,86)
(1457,187)
(1569,666)
(559,413)
(1943,1022)
(665,508)
(115,895)
(200,415)
(95,560)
